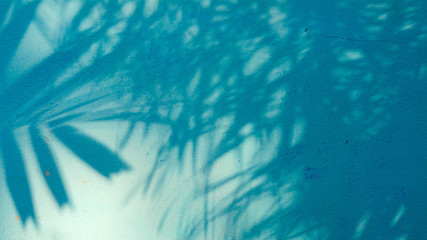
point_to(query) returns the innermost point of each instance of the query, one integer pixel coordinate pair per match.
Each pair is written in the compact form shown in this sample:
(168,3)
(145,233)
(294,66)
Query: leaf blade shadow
(90,151)
(16,176)
(48,167)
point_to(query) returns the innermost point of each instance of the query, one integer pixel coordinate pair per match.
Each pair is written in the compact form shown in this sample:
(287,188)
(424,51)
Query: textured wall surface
(199,119)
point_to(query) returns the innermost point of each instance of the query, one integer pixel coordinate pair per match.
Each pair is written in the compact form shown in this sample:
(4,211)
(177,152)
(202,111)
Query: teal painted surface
(213,120)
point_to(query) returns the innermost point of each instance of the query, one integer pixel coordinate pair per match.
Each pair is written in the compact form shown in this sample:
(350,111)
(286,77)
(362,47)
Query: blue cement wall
(282,119)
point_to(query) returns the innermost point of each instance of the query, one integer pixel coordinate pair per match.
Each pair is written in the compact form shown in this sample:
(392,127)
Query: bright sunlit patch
(220,18)
(402,237)
(297,132)
(275,107)
(247,129)
(93,20)
(176,111)
(8,16)
(191,33)
(33,49)
(150,7)
(84,61)
(205,3)
(194,83)
(163,111)
(374,28)
(215,80)
(280,71)
(54,18)
(378,5)
(422,74)
(108,45)
(303,53)
(407,26)
(398,216)
(276,21)
(257,60)
(213,98)
(207,115)
(113,39)
(221,8)
(249,45)
(276,15)
(234,160)
(128,9)
(351,55)
(358,231)
(116,29)
(383,16)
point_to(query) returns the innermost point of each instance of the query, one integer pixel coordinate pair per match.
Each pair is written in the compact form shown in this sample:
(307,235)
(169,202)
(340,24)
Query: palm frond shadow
(35,99)
(16,177)
(97,156)
(48,167)
(310,82)
(319,97)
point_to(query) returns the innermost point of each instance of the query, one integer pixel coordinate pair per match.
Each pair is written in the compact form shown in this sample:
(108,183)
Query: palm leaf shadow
(16,176)
(37,100)
(48,167)
(90,151)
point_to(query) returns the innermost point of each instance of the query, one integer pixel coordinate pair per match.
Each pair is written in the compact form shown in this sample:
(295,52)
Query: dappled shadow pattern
(34,94)
(330,98)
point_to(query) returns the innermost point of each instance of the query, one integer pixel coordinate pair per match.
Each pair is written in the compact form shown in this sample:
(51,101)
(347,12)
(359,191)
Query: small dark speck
(306,29)
(346,141)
